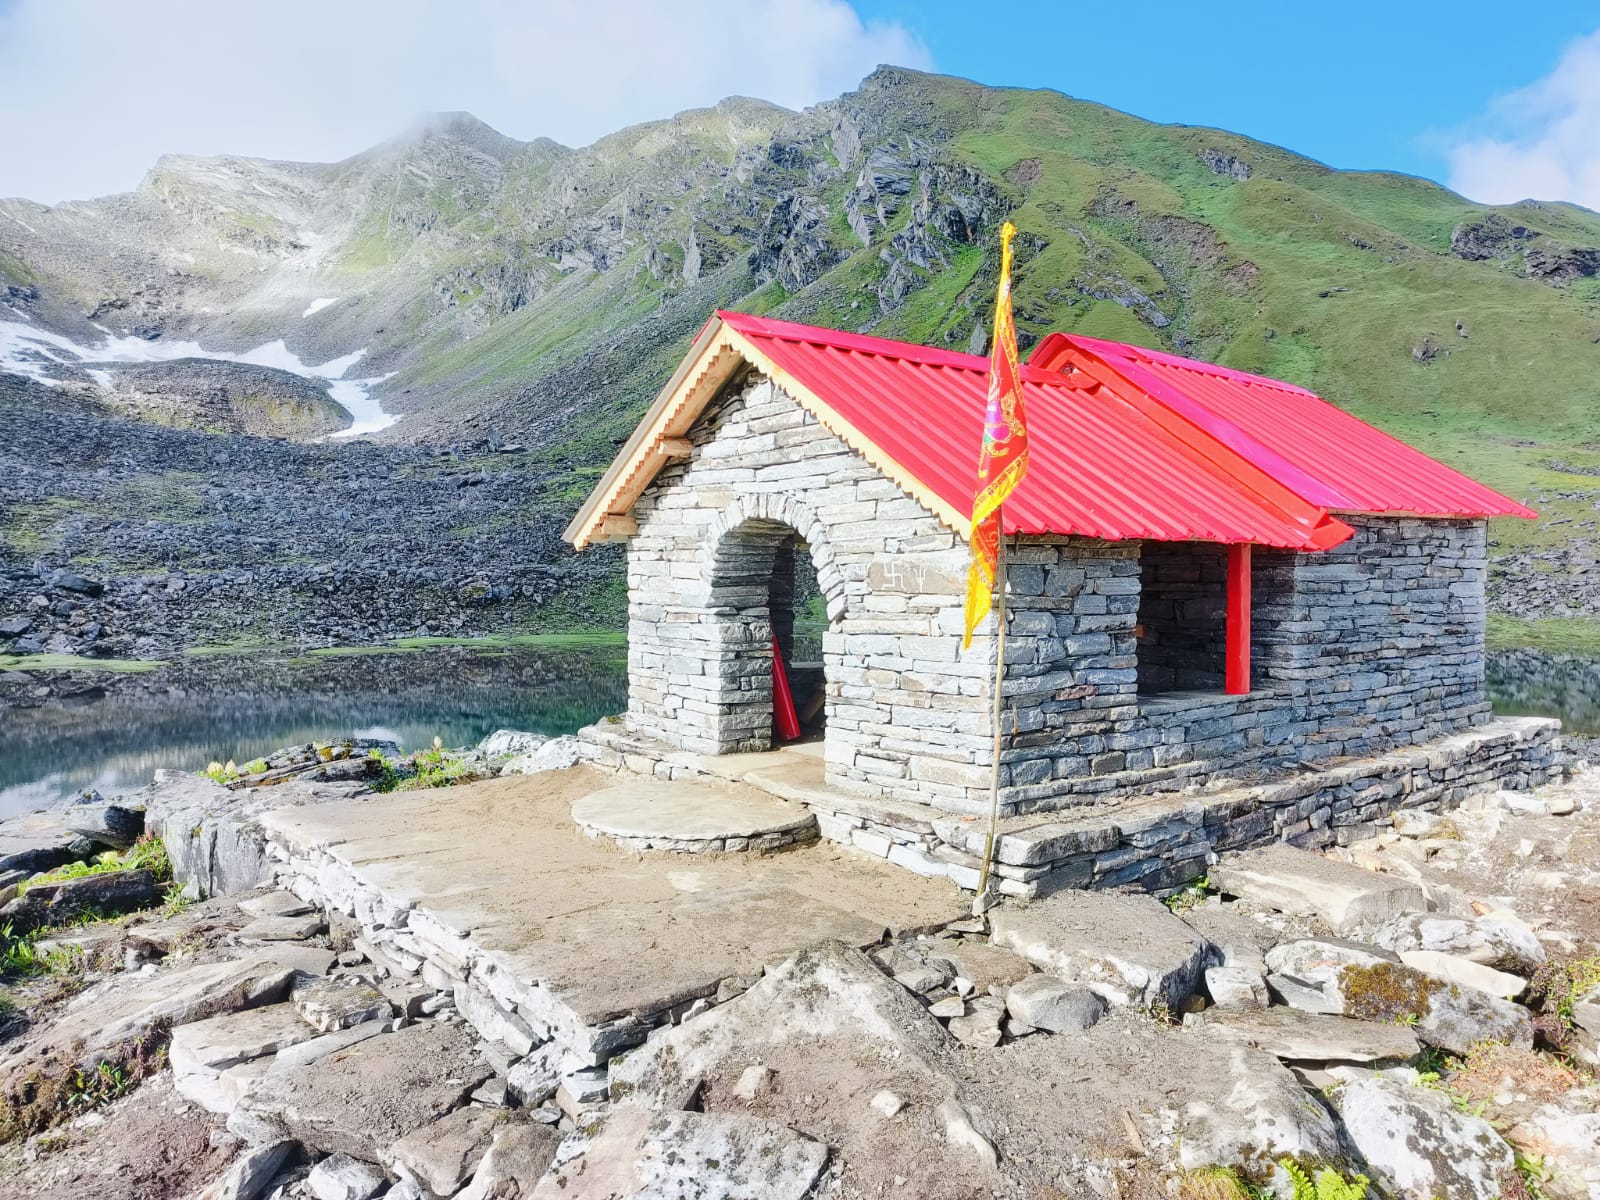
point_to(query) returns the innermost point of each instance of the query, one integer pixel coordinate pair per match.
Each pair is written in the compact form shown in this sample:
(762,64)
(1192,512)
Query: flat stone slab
(362,1101)
(1128,949)
(689,816)
(1305,884)
(601,935)
(1300,1036)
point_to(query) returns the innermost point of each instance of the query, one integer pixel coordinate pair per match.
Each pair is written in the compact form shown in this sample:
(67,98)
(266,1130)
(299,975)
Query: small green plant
(1192,896)
(149,853)
(20,954)
(1216,1183)
(1527,1180)
(8,1008)
(1558,985)
(1326,1184)
(223,773)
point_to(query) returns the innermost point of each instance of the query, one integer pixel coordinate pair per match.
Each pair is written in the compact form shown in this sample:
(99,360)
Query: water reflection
(240,707)
(1542,683)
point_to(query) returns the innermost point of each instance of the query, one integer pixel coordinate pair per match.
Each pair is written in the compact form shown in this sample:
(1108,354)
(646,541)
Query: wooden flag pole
(984,901)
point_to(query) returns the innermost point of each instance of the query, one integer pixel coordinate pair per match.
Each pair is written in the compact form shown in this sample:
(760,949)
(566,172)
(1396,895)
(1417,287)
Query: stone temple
(1236,613)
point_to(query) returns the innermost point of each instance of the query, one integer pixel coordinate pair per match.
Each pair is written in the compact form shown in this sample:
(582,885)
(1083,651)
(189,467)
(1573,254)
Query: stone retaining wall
(1164,841)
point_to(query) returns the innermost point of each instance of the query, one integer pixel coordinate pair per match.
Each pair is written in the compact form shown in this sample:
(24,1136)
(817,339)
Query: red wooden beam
(1238,670)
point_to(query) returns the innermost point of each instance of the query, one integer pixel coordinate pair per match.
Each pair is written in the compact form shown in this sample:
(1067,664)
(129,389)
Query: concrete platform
(491,887)
(688,817)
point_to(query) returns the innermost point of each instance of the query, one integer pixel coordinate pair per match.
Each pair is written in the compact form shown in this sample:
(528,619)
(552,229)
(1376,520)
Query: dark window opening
(1183,615)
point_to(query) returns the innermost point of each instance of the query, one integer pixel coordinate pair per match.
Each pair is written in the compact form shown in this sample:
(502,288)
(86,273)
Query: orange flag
(1003,460)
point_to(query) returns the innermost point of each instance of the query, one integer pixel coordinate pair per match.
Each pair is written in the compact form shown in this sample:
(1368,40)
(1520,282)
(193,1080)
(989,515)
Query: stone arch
(761,517)
(746,609)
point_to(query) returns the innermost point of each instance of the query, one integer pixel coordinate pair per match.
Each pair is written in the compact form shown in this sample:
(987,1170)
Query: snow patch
(34,352)
(318,305)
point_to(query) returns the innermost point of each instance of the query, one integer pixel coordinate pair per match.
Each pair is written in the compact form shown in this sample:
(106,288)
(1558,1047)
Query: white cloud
(1540,142)
(95,90)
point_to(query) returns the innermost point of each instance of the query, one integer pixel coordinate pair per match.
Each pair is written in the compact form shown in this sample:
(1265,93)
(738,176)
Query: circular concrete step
(692,818)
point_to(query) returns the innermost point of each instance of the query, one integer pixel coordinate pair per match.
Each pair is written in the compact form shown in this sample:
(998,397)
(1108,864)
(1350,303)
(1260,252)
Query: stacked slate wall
(1373,645)
(905,714)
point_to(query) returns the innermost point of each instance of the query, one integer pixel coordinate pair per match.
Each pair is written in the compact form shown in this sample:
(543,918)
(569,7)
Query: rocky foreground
(1415,1016)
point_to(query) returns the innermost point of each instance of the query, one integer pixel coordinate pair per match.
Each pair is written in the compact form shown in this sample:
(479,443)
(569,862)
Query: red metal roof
(1320,451)
(1126,442)
(1100,465)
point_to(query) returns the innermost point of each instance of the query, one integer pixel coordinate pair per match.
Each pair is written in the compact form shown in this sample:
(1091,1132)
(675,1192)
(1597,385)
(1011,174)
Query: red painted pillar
(1238,672)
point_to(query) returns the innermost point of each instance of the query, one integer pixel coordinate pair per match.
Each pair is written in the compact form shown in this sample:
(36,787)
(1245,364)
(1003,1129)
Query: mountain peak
(460,127)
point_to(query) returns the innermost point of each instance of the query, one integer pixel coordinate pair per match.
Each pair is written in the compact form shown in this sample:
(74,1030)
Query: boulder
(828,991)
(962,1133)
(364,1099)
(107,823)
(983,964)
(284,929)
(535,1078)
(979,1026)
(249,1175)
(339,1003)
(318,1048)
(35,842)
(1336,977)
(1236,987)
(1237,940)
(275,904)
(1586,1012)
(1045,1002)
(104,894)
(443,1154)
(1418,1144)
(555,755)
(518,1158)
(828,1023)
(340,1177)
(1566,1139)
(1128,949)
(730,1156)
(1454,969)
(134,1005)
(505,742)
(1305,884)
(1297,1036)
(1257,1113)
(1501,942)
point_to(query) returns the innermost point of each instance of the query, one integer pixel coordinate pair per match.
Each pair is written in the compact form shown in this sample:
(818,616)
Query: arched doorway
(765,591)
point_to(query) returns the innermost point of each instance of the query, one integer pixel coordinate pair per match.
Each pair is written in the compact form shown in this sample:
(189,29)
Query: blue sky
(1353,83)
(1498,101)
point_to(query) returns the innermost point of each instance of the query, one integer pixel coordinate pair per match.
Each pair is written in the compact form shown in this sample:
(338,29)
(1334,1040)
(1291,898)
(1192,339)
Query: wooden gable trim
(661,437)
(658,439)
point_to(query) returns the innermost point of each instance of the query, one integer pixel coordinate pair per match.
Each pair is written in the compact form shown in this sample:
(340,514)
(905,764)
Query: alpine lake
(111,730)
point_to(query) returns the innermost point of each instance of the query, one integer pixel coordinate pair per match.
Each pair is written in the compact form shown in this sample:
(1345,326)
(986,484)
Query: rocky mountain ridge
(496,290)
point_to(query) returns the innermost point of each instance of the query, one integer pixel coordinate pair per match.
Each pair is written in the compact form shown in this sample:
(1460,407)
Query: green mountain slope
(545,292)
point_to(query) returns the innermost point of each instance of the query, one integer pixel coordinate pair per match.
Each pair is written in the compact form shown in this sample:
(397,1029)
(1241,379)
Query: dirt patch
(152,1145)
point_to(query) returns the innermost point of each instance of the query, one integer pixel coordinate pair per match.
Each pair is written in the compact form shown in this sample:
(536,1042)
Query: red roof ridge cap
(861,343)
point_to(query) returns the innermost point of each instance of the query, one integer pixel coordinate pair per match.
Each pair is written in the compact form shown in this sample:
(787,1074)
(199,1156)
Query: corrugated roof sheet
(1125,442)
(1099,465)
(1328,456)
